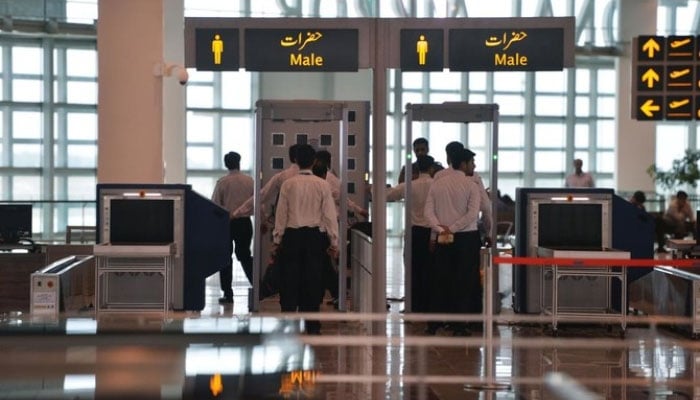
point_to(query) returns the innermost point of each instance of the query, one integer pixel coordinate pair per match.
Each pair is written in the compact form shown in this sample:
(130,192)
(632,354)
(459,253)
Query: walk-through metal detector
(463,113)
(342,128)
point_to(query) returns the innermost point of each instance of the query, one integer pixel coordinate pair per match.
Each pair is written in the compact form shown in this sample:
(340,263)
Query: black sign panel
(506,49)
(217,50)
(422,49)
(667,78)
(301,50)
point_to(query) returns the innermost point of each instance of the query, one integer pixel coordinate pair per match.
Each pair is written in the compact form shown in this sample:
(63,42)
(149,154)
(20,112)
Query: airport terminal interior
(115,119)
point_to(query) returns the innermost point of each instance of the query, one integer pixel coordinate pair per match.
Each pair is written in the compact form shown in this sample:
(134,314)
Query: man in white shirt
(420,233)
(678,220)
(269,192)
(452,208)
(579,179)
(485,200)
(230,192)
(324,157)
(305,214)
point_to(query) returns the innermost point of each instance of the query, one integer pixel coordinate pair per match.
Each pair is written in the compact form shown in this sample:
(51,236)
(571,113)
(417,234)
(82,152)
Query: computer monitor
(15,223)
(571,225)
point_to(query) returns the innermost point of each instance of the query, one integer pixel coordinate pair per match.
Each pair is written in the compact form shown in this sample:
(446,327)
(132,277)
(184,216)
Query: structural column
(635,144)
(141,113)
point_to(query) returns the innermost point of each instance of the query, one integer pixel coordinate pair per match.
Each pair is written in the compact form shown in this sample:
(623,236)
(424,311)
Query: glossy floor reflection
(227,352)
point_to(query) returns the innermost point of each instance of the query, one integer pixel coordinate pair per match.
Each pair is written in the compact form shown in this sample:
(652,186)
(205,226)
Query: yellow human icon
(421,49)
(217,47)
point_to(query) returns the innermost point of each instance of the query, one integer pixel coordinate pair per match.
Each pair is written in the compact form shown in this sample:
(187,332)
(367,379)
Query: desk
(582,312)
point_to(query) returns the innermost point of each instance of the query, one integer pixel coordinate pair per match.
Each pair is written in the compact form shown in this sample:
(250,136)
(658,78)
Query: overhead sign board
(422,49)
(506,49)
(217,49)
(302,49)
(666,73)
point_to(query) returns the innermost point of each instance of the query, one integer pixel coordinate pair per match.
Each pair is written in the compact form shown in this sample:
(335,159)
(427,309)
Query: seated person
(638,199)
(678,220)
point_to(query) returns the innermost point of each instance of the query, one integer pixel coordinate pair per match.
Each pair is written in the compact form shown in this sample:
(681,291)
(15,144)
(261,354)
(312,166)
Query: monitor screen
(141,221)
(15,223)
(570,225)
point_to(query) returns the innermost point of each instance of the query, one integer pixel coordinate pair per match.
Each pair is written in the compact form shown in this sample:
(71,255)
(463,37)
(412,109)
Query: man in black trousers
(305,214)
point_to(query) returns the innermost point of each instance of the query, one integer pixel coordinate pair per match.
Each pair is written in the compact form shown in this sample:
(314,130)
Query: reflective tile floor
(226,352)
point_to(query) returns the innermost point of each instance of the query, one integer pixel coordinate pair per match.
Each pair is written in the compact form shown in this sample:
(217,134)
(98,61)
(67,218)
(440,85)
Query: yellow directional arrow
(215,385)
(650,46)
(649,77)
(649,107)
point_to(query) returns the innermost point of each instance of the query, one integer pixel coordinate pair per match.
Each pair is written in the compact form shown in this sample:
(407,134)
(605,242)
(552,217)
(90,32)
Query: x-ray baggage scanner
(341,128)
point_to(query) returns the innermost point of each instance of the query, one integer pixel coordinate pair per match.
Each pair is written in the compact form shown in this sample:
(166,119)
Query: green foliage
(683,171)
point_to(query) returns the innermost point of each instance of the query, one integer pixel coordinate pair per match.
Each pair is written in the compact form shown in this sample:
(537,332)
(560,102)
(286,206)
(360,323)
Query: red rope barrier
(598,262)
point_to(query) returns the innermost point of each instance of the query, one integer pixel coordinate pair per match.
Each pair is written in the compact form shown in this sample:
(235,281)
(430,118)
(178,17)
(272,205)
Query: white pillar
(140,115)
(635,140)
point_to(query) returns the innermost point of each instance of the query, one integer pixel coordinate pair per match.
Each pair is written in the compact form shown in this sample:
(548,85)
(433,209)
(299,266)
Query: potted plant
(683,171)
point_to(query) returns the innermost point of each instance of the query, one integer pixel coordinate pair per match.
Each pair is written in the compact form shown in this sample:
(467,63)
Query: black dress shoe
(226,300)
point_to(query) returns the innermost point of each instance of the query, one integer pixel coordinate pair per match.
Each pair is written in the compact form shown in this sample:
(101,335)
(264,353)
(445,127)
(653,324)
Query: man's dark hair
(293,152)
(420,140)
(305,156)
(324,156)
(232,160)
(453,147)
(639,197)
(681,195)
(458,157)
(319,169)
(424,163)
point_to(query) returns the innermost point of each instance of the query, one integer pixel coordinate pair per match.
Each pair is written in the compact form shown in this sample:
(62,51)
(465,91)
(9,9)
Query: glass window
(550,81)
(445,80)
(26,187)
(550,105)
(236,90)
(511,135)
(81,188)
(476,135)
(583,81)
(81,92)
(81,62)
(26,125)
(606,78)
(200,96)
(438,98)
(671,142)
(29,90)
(237,135)
(203,185)
(583,106)
(549,161)
(509,81)
(606,134)
(27,60)
(200,157)
(82,156)
(549,182)
(581,135)
(412,80)
(81,126)
(606,106)
(510,161)
(550,135)
(477,80)
(605,161)
(200,127)
(510,104)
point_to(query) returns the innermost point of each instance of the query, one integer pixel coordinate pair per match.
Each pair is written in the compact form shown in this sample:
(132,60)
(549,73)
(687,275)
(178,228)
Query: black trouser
(421,262)
(302,254)
(330,273)
(241,230)
(456,282)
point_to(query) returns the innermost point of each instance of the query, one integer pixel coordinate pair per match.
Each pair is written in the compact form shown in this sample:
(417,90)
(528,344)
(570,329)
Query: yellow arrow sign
(649,77)
(650,46)
(215,385)
(649,107)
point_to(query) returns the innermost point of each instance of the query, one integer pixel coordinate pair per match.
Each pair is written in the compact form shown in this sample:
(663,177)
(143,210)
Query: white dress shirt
(306,201)
(484,201)
(419,193)
(268,194)
(453,200)
(585,180)
(232,190)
